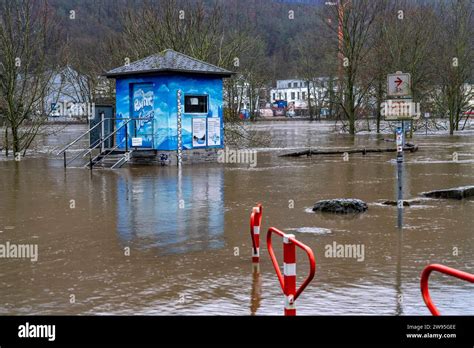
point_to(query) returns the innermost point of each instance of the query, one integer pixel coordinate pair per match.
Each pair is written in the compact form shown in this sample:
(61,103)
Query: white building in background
(295,90)
(295,93)
(289,90)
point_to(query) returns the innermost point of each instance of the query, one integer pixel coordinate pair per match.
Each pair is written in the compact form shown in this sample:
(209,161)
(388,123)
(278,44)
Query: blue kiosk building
(147,93)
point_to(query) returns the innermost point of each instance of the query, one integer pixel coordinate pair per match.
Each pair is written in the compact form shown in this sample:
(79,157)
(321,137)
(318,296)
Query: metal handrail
(91,129)
(108,136)
(128,120)
(425,275)
(80,137)
(100,141)
(123,158)
(93,161)
(78,155)
(309,252)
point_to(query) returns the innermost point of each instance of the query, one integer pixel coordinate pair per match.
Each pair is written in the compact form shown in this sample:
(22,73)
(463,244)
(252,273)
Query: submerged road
(145,240)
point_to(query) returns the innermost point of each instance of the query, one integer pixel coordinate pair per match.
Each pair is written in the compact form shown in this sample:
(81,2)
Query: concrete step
(109,159)
(144,153)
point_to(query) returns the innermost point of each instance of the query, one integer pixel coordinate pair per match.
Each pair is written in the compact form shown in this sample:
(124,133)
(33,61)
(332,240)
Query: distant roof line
(168,61)
(305,79)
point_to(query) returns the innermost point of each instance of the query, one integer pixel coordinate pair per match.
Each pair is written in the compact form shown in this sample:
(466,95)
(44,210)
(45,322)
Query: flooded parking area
(154,240)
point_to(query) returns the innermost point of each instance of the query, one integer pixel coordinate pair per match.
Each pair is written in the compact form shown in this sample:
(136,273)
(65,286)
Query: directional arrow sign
(399,84)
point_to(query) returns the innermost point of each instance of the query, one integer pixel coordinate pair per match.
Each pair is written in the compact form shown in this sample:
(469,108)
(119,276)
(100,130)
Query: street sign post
(400,134)
(427,116)
(399,84)
(400,107)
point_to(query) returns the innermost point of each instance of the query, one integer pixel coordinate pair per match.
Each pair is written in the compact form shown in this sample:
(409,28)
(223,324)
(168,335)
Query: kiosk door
(141,126)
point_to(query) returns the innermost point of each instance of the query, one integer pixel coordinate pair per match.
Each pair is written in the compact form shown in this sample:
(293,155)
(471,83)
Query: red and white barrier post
(289,274)
(288,278)
(255,223)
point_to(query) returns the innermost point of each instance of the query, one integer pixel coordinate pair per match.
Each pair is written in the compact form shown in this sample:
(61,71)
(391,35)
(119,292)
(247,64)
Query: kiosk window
(195,104)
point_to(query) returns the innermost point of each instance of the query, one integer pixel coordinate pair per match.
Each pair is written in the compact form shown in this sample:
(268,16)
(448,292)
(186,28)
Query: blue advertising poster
(143,111)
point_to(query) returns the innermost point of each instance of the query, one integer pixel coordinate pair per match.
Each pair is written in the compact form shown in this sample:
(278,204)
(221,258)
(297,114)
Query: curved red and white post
(288,278)
(255,223)
(289,274)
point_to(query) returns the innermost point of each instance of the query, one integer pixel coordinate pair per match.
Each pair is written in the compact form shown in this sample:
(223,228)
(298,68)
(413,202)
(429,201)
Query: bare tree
(386,39)
(409,45)
(381,64)
(309,65)
(454,66)
(317,64)
(354,32)
(27,41)
(189,27)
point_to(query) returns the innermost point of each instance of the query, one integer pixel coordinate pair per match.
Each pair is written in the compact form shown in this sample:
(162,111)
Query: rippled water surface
(189,240)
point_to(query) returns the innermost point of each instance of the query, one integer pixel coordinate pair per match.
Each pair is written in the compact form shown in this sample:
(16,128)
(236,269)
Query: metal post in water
(255,222)
(287,280)
(102,134)
(126,136)
(180,134)
(289,274)
(400,145)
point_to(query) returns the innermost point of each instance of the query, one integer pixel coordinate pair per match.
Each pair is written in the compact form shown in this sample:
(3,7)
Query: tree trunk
(16,141)
(331,100)
(7,145)
(451,123)
(309,103)
(251,114)
(379,104)
(351,126)
(351,112)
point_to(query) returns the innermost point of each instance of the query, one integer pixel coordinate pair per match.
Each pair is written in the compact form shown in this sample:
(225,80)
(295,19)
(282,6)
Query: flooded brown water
(188,235)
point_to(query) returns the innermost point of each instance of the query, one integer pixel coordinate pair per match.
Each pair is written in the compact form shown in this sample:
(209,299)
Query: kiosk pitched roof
(168,61)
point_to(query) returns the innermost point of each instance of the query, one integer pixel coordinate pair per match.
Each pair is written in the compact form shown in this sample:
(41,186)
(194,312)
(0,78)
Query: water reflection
(181,250)
(398,280)
(400,178)
(174,211)
(256,292)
